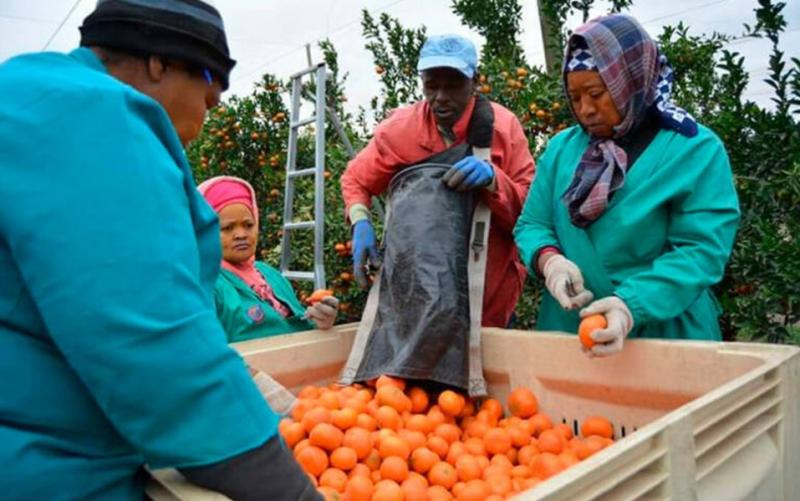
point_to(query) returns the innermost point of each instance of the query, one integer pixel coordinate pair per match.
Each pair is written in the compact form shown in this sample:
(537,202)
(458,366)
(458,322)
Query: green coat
(245,316)
(662,242)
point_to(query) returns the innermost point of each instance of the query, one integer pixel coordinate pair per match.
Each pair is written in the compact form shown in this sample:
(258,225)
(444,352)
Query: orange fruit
(467,468)
(366,422)
(476,428)
(359,488)
(568,458)
(394,468)
(390,381)
(475,446)
(494,497)
(419,400)
(539,423)
(520,436)
(564,430)
(326,436)
(526,455)
(356,404)
(360,440)
(313,460)
(551,441)
(474,490)
(344,458)
(522,403)
(436,416)
(487,417)
(531,483)
(468,410)
(457,488)
(439,446)
(423,459)
(591,446)
(309,392)
(330,494)
(414,439)
(439,493)
(293,433)
(318,295)
(502,462)
(499,484)
(334,478)
(546,465)
(387,490)
(449,432)
(597,425)
(330,400)
(394,398)
(588,325)
(394,446)
(493,406)
(373,460)
(444,474)
(419,422)
(521,471)
(360,469)
(497,441)
(451,403)
(415,488)
(301,445)
(455,451)
(388,417)
(344,418)
(315,416)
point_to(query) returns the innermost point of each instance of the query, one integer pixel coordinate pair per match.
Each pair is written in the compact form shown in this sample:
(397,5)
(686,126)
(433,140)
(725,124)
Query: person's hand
(564,281)
(609,341)
(323,312)
(365,251)
(469,173)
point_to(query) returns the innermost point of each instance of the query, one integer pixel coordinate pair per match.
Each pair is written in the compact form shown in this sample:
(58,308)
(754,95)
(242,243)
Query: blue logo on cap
(448,51)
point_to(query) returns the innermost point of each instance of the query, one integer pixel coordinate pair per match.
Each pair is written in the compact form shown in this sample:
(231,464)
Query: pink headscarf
(220,192)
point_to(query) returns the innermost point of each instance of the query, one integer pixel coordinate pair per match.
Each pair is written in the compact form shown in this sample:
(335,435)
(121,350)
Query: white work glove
(565,282)
(279,398)
(323,313)
(620,322)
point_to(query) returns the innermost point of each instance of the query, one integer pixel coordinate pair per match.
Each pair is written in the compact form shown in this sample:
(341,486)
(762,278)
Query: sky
(270,35)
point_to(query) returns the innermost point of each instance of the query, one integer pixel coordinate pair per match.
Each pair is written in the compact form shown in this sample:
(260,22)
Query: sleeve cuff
(358,212)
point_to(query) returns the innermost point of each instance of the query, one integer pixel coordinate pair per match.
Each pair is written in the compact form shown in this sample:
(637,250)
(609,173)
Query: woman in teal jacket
(635,206)
(253,299)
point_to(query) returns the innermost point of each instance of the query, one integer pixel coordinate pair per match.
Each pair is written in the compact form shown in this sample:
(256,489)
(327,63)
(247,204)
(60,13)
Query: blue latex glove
(365,251)
(469,173)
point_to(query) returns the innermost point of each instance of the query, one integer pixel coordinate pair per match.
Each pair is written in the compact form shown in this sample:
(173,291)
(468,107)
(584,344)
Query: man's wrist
(358,212)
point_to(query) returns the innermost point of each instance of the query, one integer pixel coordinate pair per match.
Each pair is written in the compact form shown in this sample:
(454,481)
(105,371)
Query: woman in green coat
(635,207)
(253,299)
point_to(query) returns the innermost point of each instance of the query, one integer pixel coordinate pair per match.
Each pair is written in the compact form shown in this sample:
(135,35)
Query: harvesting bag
(423,315)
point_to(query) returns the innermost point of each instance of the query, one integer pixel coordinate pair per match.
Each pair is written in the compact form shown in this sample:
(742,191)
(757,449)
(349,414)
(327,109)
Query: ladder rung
(310,69)
(303,225)
(302,172)
(299,275)
(303,122)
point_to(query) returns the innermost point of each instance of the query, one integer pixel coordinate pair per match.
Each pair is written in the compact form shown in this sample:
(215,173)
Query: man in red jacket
(447,67)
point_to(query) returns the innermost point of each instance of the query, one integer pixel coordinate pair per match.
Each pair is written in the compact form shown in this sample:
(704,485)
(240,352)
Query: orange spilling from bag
(389,442)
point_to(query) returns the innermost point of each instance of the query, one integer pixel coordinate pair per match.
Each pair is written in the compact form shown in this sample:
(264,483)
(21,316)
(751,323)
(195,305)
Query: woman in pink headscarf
(253,299)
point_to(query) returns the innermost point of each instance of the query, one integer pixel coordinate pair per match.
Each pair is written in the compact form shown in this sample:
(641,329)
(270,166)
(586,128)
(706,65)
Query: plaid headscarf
(638,79)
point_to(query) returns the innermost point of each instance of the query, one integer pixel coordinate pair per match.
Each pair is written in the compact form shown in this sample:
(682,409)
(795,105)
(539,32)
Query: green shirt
(663,241)
(245,316)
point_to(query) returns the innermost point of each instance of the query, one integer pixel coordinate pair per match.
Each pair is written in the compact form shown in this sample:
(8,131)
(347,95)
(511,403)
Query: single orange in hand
(597,425)
(522,403)
(587,326)
(318,295)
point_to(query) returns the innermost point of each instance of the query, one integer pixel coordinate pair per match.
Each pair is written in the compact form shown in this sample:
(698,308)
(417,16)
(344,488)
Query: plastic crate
(712,421)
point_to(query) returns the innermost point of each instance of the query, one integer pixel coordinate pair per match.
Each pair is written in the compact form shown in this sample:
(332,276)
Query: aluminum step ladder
(293,173)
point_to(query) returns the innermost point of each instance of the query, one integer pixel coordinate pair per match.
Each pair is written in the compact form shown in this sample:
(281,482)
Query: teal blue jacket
(111,353)
(245,316)
(663,241)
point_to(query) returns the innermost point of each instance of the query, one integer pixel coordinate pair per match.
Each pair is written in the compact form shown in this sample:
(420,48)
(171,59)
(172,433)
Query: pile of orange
(388,442)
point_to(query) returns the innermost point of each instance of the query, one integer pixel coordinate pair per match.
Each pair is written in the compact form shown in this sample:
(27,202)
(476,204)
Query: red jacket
(410,135)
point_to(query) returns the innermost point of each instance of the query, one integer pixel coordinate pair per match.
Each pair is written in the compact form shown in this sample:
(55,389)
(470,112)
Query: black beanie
(187,30)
